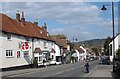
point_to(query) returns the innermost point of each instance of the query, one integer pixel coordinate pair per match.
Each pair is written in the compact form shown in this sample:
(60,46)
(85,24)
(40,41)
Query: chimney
(36,21)
(45,26)
(23,19)
(18,15)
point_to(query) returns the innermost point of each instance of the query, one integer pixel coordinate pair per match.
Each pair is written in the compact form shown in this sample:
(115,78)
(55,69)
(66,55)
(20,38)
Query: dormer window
(27,38)
(47,34)
(41,31)
(9,36)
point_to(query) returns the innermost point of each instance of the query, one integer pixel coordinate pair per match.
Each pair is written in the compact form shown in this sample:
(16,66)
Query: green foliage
(106,45)
(35,64)
(118,54)
(95,50)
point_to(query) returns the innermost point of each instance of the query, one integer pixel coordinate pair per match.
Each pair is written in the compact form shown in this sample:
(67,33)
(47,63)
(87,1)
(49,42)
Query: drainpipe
(32,50)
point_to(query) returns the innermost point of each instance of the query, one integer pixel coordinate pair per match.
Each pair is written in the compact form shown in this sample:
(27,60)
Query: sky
(80,20)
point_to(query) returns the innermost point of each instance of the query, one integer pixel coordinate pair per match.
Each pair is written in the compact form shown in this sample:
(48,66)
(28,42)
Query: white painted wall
(1,49)
(57,49)
(78,54)
(68,47)
(14,45)
(117,43)
(39,43)
(84,54)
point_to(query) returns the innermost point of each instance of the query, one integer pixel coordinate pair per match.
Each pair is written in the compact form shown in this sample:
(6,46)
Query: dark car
(105,60)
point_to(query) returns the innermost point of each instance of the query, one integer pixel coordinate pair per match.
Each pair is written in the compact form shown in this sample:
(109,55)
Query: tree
(106,45)
(118,54)
(96,51)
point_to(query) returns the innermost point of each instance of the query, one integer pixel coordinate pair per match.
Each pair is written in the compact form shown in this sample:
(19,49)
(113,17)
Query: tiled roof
(60,41)
(90,50)
(79,49)
(29,29)
(60,36)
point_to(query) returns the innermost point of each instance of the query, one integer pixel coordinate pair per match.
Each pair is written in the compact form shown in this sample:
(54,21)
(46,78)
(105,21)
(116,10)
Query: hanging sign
(25,46)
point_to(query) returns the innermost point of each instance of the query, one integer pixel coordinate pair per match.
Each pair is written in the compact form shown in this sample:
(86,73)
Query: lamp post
(103,8)
(74,39)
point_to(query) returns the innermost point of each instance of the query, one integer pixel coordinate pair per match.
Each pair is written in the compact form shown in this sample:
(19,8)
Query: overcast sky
(81,20)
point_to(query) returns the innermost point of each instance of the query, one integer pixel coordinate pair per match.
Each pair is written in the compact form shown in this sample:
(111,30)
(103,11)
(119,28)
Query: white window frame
(41,31)
(10,53)
(47,34)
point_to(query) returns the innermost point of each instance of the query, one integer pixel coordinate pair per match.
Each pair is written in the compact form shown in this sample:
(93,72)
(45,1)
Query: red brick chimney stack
(18,15)
(23,19)
(22,14)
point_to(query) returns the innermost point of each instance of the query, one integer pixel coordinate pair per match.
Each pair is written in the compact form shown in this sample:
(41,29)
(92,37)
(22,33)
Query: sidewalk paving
(101,71)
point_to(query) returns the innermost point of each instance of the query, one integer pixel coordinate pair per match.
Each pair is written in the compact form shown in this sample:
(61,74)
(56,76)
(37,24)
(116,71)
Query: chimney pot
(22,14)
(44,24)
(36,21)
(17,12)
(23,19)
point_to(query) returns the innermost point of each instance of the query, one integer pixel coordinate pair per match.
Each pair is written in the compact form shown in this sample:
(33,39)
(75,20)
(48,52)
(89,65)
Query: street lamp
(74,39)
(103,8)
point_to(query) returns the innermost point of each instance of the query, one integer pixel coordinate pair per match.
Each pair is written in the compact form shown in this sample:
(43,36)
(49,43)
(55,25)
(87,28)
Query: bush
(35,64)
(118,54)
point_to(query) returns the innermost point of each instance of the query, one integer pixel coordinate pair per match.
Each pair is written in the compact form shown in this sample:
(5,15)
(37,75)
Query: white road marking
(90,72)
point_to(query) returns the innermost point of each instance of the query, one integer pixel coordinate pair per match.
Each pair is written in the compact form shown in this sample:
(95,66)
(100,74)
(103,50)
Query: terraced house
(66,47)
(23,41)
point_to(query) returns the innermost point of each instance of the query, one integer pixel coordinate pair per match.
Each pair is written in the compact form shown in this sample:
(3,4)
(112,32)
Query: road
(67,70)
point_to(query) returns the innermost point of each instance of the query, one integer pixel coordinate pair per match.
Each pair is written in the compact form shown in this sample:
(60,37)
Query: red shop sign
(25,46)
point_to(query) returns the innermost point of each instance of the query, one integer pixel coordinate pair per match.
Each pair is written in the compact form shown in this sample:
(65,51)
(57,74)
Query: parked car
(91,58)
(105,60)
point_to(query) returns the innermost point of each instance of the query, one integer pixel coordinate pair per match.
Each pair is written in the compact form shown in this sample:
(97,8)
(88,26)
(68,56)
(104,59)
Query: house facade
(117,45)
(65,47)
(22,42)
(80,53)
(16,47)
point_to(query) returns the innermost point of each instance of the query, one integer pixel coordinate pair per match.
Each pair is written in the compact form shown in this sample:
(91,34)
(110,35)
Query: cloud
(79,18)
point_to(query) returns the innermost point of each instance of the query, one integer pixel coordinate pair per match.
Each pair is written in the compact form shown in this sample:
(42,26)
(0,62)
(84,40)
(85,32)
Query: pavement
(101,71)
